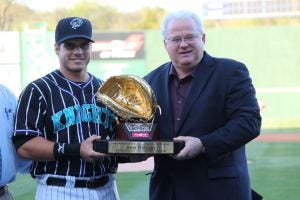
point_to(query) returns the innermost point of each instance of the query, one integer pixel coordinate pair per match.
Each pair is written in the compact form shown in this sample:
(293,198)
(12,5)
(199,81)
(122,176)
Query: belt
(94,183)
(2,190)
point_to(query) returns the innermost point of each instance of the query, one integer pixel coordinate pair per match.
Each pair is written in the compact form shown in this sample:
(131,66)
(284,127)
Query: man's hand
(193,147)
(87,152)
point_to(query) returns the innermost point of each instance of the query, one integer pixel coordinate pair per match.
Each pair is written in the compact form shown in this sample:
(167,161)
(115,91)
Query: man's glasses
(187,39)
(71,46)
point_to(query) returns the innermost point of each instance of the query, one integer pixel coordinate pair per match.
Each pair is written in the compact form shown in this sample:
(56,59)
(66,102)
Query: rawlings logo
(76,23)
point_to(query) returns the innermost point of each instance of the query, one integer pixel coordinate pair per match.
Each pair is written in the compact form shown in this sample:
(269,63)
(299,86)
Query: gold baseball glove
(130,97)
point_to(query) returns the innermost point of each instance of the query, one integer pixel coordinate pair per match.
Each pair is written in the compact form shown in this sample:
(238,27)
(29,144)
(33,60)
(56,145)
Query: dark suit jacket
(221,110)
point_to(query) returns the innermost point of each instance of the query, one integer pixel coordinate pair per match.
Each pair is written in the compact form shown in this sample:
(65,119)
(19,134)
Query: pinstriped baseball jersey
(63,111)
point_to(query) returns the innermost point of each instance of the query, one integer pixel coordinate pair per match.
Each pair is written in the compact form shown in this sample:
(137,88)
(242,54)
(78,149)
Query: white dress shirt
(10,163)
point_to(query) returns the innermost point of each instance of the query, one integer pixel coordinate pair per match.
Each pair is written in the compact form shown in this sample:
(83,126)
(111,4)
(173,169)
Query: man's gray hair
(182,14)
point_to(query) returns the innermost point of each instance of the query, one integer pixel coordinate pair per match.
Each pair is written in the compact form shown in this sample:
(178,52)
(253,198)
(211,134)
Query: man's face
(184,43)
(74,55)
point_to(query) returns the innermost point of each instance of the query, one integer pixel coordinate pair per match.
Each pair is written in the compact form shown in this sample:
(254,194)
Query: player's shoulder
(6,92)
(96,81)
(39,84)
(4,89)
(35,83)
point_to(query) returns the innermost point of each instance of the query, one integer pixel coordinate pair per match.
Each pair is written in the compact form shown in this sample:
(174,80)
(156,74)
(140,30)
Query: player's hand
(87,152)
(193,147)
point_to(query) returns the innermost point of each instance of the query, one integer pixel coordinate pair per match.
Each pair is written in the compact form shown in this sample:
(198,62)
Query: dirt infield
(147,165)
(284,137)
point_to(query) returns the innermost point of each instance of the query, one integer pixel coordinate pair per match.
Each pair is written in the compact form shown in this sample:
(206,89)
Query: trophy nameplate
(137,147)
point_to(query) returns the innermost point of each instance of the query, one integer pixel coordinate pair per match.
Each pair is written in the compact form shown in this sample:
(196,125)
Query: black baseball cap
(71,28)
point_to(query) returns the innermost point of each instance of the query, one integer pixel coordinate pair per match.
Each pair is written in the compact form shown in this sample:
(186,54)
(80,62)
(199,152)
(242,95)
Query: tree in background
(104,18)
(14,15)
(149,18)
(5,18)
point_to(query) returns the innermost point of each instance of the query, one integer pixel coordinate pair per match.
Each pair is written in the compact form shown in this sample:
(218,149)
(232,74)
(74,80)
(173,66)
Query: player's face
(74,55)
(184,43)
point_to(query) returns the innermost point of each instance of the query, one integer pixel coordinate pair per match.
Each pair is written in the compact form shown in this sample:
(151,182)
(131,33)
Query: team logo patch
(76,23)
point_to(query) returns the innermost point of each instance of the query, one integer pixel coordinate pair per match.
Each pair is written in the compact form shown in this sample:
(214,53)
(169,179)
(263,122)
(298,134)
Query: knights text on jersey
(62,111)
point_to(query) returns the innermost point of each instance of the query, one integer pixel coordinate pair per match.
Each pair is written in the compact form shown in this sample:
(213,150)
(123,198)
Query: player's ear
(56,48)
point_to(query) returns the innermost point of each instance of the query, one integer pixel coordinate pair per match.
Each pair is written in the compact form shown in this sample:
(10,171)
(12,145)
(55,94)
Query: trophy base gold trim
(137,147)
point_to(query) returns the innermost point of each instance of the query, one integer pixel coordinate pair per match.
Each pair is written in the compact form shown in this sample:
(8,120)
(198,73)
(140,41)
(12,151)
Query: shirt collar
(173,72)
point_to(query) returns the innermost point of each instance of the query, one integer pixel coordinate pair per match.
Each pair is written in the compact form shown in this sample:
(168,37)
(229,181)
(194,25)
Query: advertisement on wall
(118,46)
(118,53)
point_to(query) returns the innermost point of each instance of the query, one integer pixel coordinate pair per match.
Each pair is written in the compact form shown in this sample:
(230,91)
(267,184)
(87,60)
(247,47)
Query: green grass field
(131,185)
(274,169)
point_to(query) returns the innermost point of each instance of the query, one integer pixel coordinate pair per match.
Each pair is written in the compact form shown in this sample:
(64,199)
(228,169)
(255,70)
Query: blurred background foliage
(14,15)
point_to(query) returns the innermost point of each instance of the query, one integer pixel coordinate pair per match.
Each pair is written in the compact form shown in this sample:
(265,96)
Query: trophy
(133,101)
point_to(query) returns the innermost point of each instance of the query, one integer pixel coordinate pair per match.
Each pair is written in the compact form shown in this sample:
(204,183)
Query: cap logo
(76,23)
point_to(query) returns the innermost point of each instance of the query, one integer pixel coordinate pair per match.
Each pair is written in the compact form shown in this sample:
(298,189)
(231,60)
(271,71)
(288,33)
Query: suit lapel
(205,69)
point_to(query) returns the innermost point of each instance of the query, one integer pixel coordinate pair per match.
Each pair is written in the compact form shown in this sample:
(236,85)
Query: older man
(208,103)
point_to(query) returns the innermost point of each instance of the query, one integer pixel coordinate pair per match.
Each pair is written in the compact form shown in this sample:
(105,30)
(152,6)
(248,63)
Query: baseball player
(58,119)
